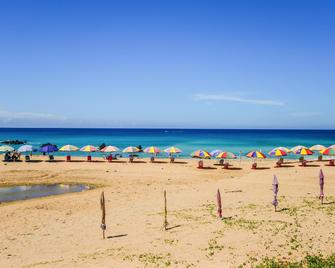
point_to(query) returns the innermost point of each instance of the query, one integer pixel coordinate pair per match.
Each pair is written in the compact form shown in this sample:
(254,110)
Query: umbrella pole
(165,212)
(103,216)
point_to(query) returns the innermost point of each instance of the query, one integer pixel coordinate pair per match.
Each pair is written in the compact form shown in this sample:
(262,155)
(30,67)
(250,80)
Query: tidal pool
(23,192)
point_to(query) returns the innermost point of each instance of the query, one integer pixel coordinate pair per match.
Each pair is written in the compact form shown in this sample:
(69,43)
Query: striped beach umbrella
(278,153)
(109,149)
(298,147)
(328,151)
(152,150)
(303,151)
(6,148)
(201,154)
(216,152)
(89,149)
(131,149)
(172,150)
(317,147)
(69,148)
(226,155)
(255,154)
(282,148)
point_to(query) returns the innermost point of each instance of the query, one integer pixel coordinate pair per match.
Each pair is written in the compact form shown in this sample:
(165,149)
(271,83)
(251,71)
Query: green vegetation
(309,261)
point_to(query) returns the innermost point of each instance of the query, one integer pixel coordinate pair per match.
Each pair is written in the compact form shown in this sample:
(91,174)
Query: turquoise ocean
(233,140)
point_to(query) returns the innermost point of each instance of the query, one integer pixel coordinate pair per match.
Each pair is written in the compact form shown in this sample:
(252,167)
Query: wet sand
(64,230)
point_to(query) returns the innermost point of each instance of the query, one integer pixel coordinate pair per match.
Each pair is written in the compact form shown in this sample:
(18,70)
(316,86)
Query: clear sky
(172,63)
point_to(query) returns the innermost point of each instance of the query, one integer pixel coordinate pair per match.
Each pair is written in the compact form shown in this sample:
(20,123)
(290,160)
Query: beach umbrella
(6,148)
(88,148)
(25,149)
(287,150)
(110,149)
(303,151)
(275,189)
(278,153)
(151,150)
(172,150)
(328,151)
(219,203)
(317,147)
(255,154)
(201,154)
(322,183)
(215,152)
(131,149)
(298,147)
(69,148)
(49,148)
(226,155)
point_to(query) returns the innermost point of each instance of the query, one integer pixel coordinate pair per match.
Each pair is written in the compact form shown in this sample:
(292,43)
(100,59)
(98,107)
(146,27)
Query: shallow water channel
(23,192)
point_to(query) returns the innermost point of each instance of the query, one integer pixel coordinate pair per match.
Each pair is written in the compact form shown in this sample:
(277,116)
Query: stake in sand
(103,218)
(165,224)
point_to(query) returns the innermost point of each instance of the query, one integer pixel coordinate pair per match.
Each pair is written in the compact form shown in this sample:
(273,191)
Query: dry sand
(64,230)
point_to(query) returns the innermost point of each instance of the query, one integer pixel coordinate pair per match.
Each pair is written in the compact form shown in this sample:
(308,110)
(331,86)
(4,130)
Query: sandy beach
(64,230)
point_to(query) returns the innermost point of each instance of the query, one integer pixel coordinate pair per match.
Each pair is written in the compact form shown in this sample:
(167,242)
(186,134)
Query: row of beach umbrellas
(277,152)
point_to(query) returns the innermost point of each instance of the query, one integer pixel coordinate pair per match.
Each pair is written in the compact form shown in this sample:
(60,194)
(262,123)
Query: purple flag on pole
(322,182)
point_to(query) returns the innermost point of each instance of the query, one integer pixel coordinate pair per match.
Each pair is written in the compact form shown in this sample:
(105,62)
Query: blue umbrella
(49,149)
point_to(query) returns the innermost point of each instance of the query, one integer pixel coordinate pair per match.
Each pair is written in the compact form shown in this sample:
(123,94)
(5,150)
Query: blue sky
(173,63)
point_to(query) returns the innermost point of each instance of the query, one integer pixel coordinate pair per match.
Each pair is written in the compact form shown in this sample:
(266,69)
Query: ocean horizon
(238,141)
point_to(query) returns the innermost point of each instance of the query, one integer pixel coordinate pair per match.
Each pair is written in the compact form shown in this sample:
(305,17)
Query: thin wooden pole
(103,216)
(165,212)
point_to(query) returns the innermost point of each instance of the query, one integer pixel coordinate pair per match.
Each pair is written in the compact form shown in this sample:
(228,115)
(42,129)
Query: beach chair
(51,158)
(68,158)
(152,159)
(304,163)
(221,162)
(320,158)
(254,166)
(279,163)
(200,164)
(89,158)
(131,159)
(27,158)
(171,159)
(226,165)
(331,162)
(109,158)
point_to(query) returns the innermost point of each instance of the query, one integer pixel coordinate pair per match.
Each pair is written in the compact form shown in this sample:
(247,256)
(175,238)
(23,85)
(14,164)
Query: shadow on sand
(116,236)
(173,227)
